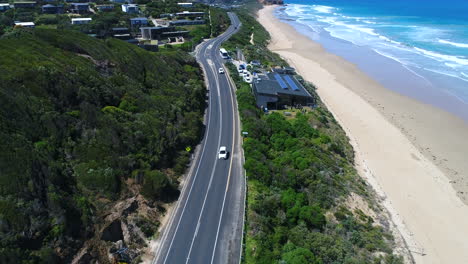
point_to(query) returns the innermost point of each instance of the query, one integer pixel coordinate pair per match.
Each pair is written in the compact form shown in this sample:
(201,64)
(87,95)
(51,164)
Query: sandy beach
(413,154)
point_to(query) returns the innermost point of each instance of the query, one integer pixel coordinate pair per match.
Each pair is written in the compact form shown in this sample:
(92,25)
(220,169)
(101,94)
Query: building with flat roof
(187,4)
(24,4)
(25,24)
(121,33)
(275,91)
(81,20)
(122,1)
(159,33)
(79,8)
(139,21)
(104,8)
(190,14)
(186,22)
(130,8)
(52,9)
(4,6)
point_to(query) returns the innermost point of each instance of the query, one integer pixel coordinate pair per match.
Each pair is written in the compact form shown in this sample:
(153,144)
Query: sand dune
(410,152)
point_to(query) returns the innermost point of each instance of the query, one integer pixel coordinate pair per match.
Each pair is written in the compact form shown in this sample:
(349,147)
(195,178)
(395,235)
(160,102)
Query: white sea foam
(323,9)
(389,56)
(460,45)
(442,57)
(369,31)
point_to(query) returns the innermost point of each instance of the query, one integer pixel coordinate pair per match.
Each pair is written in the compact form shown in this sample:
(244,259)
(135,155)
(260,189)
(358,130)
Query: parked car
(223,153)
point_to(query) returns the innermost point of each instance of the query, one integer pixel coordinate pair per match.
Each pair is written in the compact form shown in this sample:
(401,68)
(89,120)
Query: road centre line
(191,186)
(216,160)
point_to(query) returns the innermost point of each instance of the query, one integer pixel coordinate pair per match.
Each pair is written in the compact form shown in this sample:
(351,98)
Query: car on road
(223,153)
(221,70)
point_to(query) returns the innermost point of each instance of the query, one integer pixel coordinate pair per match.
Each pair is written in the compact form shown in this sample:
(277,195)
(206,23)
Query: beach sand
(413,154)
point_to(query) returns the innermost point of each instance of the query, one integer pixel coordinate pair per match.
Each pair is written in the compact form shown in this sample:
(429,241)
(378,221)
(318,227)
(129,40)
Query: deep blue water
(428,38)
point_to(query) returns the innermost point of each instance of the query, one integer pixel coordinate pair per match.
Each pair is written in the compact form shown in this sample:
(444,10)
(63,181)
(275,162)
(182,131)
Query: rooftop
(274,84)
(139,18)
(24,24)
(82,19)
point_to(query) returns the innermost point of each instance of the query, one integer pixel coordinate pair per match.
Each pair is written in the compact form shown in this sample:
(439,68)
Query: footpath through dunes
(423,204)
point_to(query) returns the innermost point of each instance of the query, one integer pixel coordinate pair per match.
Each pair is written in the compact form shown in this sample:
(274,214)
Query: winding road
(207,223)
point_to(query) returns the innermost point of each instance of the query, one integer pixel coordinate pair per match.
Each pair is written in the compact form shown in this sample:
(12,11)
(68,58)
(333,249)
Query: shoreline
(398,144)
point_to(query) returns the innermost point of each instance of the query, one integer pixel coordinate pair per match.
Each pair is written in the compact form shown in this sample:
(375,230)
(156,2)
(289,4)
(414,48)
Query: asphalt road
(206,225)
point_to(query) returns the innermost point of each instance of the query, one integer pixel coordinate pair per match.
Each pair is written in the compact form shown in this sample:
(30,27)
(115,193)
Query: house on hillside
(105,8)
(122,1)
(186,22)
(122,33)
(190,14)
(52,9)
(166,15)
(25,24)
(130,8)
(185,4)
(79,8)
(81,20)
(139,21)
(160,33)
(24,4)
(4,7)
(275,91)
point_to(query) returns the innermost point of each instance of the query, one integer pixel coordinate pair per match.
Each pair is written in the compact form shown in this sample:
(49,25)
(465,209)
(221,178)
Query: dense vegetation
(81,119)
(300,177)
(259,50)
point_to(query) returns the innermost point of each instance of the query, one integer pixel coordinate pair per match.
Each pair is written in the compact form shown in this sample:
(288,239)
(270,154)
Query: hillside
(93,137)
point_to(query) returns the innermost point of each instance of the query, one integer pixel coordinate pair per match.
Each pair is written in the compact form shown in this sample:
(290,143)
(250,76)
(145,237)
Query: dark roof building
(274,91)
(158,33)
(186,22)
(52,9)
(24,4)
(190,14)
(121,33)
(4,6)
(79,8)
(139,21)
(103,8)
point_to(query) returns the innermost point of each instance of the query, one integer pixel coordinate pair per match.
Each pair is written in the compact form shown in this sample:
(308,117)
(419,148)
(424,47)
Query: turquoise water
(428,38)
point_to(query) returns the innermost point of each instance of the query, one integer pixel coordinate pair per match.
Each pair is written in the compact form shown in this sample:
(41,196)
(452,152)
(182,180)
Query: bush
(157,186)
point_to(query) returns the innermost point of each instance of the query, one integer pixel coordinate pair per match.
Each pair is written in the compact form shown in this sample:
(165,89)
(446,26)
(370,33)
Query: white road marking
(230,170)
(216,160)
(191,187)
(167,230)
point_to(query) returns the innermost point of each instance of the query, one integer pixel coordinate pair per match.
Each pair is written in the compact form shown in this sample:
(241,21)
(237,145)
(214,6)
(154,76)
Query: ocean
(418,48)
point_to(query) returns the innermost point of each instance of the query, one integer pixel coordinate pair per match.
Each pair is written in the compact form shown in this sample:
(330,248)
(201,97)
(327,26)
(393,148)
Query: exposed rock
(131,208)
(85,259)
(113,232)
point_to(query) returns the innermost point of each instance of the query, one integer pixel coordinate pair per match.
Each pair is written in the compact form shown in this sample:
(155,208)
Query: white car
(222,154)
(221,70)
(247,79)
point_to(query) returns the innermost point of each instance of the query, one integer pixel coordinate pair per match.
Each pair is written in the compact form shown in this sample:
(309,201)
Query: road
(207,223)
